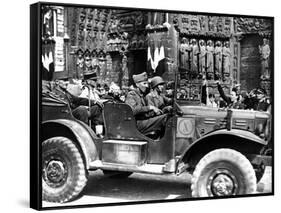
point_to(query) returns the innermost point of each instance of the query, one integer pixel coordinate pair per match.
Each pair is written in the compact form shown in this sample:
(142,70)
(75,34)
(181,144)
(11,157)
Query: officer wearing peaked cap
(146,122)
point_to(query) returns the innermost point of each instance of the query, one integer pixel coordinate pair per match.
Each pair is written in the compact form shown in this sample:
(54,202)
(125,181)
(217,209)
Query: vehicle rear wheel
(63,170)
(116,174)
(223,172)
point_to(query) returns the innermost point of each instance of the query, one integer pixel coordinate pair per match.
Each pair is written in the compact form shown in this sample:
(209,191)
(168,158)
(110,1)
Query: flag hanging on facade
(159,54)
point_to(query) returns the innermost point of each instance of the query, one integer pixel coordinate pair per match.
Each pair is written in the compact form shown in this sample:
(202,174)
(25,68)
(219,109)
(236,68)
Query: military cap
(140,77)
(157,80)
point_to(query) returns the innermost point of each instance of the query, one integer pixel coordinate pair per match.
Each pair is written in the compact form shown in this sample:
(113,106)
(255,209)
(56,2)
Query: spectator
(211,101)
(262,102)
(232,100)
(114,93)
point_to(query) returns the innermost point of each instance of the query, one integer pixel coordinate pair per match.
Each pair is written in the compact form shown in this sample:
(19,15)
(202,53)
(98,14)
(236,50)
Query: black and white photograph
(149,105)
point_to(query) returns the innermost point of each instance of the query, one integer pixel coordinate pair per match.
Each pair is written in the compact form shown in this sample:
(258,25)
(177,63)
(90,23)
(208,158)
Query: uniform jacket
(159,101)
(63,94)
(138,104)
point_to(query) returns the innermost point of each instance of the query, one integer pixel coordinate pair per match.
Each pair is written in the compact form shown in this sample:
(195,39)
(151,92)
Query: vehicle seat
(120,122)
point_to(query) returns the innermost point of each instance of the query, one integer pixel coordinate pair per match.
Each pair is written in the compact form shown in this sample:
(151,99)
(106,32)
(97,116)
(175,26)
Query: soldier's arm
(137,109)
(149,100)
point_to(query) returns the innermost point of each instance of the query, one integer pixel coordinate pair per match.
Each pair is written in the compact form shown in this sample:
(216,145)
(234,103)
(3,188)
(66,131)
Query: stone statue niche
(264,50)
(184,54)
(218,60)
(202,58)
(194,56)
(210,60)
(226,54)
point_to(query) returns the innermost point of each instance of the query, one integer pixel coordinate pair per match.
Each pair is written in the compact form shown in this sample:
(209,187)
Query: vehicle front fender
(240,140)
(82,135)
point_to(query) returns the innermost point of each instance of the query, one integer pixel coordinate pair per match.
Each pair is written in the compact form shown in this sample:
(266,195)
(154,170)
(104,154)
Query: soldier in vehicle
(79,106)
(156,97)
(146,122)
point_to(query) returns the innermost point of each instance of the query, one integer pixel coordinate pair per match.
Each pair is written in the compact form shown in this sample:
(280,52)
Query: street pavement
(102,189)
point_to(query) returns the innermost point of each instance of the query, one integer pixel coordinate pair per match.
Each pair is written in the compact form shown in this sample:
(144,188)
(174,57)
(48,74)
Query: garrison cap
(140,77)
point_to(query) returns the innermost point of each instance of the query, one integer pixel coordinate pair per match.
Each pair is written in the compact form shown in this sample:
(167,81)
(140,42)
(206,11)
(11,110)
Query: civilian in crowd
(211,102)
(114,93)
(262,102)
(232,100)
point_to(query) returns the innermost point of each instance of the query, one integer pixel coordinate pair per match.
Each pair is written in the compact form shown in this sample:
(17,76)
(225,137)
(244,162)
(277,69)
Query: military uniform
(158,100)
(79,106)
(156,97)
(145,121)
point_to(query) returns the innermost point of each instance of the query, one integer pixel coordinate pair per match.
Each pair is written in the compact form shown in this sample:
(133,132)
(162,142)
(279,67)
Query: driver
(156,97)
(146,121)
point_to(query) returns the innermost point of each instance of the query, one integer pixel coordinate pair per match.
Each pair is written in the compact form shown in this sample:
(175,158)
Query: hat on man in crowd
(260,91)
(90,75)
(157,80)
(140,77)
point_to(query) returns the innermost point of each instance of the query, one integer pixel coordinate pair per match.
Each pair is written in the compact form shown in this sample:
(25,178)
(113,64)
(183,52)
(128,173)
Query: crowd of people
(150,99)
(256,99)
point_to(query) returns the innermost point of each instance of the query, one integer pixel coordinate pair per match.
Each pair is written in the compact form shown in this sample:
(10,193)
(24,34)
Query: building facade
(117,43)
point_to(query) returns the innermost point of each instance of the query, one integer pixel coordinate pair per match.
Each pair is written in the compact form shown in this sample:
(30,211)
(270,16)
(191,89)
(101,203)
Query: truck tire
(116,174)
(63,170)
(223,172)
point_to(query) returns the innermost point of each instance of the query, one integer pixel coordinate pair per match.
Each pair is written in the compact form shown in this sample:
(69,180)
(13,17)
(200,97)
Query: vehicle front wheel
(223,172)
(63,170)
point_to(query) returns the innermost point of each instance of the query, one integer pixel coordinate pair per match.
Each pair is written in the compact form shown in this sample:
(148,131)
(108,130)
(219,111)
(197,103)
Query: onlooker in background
(249,99)
(211,101)
(262,102)
(114,93)
(170,87)
(232,100)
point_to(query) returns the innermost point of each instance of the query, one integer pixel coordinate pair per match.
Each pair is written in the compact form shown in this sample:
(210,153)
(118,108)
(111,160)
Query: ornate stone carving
(202,57)
(226,55)
(194,24)
(218,59)
(210,60)
(251,25)
(212,24)
(264,50)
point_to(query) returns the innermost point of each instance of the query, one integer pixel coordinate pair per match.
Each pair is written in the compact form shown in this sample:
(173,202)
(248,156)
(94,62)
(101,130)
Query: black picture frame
(36,76)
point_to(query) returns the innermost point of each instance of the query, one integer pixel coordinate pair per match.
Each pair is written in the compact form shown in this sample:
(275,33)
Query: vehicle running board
(145,168)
